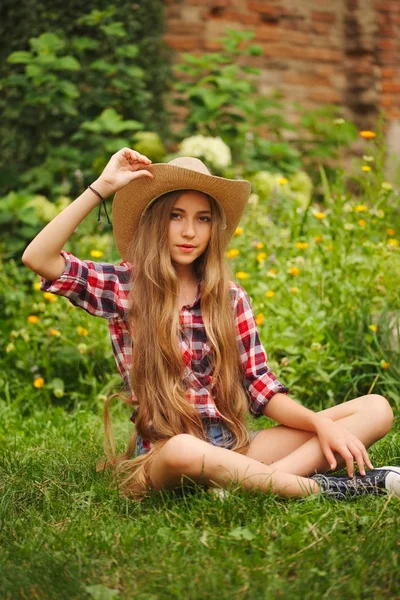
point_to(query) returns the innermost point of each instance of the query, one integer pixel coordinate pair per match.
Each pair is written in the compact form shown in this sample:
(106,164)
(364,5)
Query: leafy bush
(222,98)
(77,94)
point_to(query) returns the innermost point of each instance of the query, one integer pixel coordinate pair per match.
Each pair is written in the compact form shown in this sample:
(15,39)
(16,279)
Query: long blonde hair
(157,373)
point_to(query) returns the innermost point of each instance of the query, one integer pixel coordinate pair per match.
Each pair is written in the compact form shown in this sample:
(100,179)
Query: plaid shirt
(102,290)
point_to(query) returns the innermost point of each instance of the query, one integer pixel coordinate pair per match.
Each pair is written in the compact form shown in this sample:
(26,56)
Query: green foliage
(77,94)
(223,101)
(66,533)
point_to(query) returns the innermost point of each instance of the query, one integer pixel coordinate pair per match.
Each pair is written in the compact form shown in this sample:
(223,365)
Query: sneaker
(376,481)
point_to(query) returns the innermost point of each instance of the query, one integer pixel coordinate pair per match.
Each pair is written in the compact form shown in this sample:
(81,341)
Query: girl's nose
(188,228)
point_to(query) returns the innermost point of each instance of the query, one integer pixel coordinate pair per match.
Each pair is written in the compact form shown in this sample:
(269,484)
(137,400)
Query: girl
(187,347)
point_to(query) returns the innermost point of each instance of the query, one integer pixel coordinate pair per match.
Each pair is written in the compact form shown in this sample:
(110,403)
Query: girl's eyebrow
(200,211)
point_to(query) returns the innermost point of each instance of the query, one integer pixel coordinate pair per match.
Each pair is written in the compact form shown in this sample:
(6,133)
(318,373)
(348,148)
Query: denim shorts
(218,434)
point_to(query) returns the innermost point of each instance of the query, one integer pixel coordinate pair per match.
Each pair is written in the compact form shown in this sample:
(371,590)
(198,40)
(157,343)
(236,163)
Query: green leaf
(84,43)
(46,43)
(33,70)
(114,30)
(19,57)
(127,51)
(67,63)
(103,65)
(241,533)
(100,592)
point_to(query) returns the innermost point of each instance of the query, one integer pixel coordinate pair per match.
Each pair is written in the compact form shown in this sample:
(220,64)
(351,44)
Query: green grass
(66,533)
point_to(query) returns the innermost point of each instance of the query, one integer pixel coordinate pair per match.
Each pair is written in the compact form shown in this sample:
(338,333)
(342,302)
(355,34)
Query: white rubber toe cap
(392,481)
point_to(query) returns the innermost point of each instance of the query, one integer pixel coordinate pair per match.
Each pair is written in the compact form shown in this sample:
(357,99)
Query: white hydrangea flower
(213,150)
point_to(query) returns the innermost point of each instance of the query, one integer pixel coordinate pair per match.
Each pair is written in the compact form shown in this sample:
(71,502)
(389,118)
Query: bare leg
(299,452)
(185,457)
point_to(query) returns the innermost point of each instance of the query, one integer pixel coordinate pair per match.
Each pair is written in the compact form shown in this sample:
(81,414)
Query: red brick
(387,72)
(385,44)
(267,32)
(179,42)
(325,16)
(386,101)
(267,9)
(232,15)
(326,96)
(388,6)
(306,79)
(392,87)
(321,28)
(178,27)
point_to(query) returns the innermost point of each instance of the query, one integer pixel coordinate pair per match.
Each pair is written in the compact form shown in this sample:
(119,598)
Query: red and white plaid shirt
(102,290)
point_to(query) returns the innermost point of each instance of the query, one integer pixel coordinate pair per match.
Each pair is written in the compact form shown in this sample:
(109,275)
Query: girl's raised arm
(43,254)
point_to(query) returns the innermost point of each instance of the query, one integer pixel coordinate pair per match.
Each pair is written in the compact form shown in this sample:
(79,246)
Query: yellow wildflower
(38,382)
(294,271)
(269,294)
(319,215)
(259,245)
(365,168)
(293,290)
(329,247)
(49,296)
(272,272)
(301,245)
(318,238)
(36,286)
(242,275)
(390,231)
(33,319)
(373,328)
(282,180)
(82,331)
(367,135)
(260,319)
(362,222)
(238,231)
(54,332)
(384,365)
(96,253)
(393,242)
(360,208)
(232,253)
(261,256)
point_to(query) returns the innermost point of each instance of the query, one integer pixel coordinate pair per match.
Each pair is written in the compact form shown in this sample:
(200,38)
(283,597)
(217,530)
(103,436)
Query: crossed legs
(279,459)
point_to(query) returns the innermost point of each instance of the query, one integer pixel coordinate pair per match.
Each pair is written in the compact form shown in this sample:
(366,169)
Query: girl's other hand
(334,437)
(124,166)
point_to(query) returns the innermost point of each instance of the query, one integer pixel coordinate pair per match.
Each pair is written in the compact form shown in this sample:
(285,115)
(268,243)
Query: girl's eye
(207,219)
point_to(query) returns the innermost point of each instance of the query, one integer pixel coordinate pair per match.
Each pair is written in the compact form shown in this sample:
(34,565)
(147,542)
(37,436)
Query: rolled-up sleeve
(101,289)
(259,383)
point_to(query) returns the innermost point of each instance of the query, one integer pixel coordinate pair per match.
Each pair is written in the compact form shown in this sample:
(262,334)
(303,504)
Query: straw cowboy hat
(183,173)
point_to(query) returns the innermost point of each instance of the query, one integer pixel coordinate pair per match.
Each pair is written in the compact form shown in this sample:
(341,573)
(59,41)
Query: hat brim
(130,201)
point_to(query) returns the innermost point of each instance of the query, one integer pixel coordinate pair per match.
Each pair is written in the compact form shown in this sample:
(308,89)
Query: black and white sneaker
(375,481)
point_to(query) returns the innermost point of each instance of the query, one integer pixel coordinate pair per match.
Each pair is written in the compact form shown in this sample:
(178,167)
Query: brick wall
(345,52)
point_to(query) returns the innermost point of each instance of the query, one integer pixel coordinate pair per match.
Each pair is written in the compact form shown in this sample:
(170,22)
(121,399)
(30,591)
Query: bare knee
(382,413)
(183,454)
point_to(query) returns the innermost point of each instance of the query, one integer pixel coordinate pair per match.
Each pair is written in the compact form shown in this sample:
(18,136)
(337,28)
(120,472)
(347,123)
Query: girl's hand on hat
(124,166)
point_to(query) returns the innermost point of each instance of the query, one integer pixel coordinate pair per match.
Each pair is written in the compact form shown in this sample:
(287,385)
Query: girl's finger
(330,457)
(349,460)
(358,455)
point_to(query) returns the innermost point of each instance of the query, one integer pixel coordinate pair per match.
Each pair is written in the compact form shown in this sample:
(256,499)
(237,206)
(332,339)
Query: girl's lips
(186,248)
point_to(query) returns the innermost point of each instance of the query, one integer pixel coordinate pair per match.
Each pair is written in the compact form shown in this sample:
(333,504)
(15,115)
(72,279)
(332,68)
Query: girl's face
(190,225)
